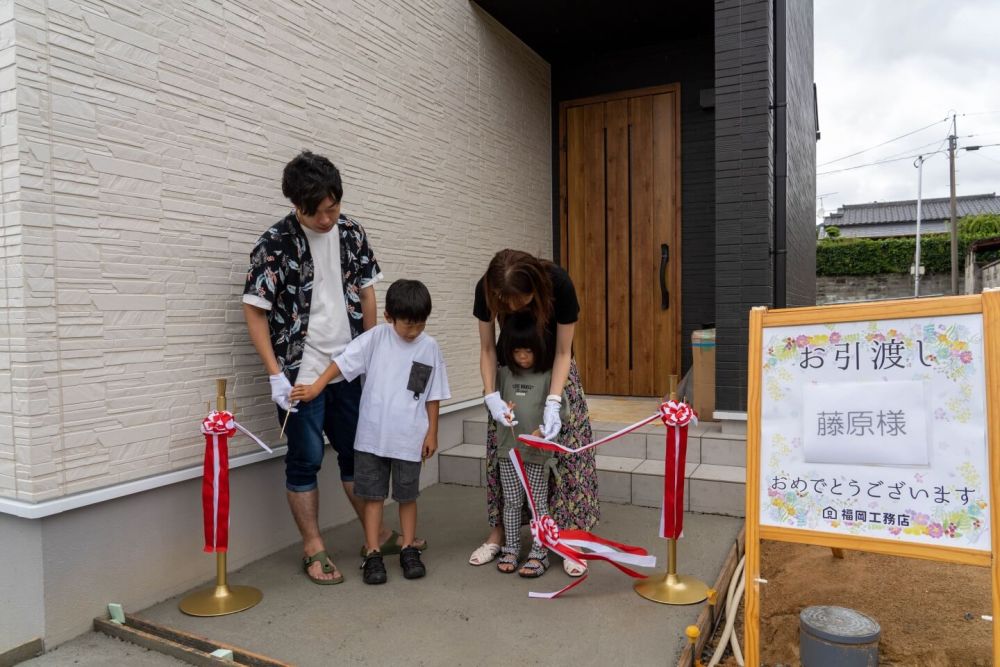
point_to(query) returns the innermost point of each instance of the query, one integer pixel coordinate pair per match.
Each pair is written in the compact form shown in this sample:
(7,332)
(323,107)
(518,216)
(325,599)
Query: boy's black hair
(408,300)
(520,330)
(309,179)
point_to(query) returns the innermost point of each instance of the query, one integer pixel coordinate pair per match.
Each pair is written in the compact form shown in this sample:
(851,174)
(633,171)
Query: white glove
(502,414)
(281,389)
(552,425)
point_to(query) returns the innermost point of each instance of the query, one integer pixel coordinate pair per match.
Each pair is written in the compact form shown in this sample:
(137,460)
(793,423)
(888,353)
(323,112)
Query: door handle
(664,258)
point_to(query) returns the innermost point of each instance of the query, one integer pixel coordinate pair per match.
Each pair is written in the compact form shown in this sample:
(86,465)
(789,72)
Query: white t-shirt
(329,331)
(392,422)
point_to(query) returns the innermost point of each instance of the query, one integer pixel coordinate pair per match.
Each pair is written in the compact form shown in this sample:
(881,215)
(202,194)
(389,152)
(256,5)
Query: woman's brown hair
(511,276)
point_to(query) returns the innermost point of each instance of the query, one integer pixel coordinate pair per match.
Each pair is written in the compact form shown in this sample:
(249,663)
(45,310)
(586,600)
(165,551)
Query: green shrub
(974,227)
(862,256)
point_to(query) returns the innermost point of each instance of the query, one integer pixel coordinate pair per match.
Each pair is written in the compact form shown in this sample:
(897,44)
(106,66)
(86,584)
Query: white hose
(733,597)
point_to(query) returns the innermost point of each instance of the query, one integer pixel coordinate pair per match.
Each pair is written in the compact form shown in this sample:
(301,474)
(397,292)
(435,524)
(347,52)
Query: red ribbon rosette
(545,531)
(674,413)
(219,423)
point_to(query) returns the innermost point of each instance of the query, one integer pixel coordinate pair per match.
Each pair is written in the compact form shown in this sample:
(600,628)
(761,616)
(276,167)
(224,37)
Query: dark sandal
(327,564)
(534,567)
(507,560)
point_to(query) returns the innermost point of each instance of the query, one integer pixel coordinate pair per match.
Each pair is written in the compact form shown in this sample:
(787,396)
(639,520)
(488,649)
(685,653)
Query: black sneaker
(409,560)
(374,569)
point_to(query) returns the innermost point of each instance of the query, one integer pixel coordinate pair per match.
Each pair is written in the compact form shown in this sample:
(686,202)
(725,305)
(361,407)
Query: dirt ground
(929,612)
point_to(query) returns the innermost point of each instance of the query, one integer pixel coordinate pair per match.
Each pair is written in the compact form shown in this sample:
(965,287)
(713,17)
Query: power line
(904,157)
(910,151)
(872,164)
(902,136)
(987,157)
(976,148)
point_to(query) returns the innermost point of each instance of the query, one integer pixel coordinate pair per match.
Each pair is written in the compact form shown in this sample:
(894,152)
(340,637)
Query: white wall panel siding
(145,160)
(11,276)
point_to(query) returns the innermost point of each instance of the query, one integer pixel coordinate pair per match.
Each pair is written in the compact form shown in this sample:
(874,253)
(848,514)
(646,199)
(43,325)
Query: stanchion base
(672,589)
(220,600)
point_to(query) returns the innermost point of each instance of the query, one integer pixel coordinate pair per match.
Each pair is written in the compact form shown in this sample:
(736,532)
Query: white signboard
(877,429)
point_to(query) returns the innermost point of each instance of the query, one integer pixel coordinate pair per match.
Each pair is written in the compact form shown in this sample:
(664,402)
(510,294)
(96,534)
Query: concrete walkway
(459,614)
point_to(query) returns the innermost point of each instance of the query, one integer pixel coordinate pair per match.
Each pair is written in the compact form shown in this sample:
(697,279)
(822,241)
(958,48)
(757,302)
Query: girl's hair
(520,331)
(511,276)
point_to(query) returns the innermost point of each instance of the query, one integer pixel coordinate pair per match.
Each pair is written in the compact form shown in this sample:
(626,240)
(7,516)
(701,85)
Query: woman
(516,281)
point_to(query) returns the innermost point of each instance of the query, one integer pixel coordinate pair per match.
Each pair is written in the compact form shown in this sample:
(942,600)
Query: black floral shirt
(280,281)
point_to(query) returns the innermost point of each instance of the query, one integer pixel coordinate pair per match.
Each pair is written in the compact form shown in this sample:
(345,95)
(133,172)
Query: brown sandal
(327,564)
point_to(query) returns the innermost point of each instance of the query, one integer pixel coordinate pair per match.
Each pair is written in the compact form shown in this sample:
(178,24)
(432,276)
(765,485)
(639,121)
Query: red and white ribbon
(548,445)
(676,417)
(567,543)
(218,427)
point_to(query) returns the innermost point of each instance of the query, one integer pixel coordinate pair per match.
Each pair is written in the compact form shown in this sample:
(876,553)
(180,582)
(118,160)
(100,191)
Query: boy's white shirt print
(391,423)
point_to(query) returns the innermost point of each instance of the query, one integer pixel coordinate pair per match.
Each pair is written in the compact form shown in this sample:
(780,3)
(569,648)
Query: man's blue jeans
(335,413)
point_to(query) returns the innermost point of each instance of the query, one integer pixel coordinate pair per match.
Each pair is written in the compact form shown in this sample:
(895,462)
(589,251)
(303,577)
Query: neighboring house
(899,218)
(664,151)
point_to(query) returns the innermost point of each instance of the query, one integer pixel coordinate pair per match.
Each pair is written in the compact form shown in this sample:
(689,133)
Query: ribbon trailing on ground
(218,427)
(567,543)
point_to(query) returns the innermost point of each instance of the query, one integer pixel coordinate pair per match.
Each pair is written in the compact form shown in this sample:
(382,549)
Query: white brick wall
(146,160)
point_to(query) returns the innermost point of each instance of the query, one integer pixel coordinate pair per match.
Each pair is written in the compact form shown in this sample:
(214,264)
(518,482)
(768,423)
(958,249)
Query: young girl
(523,382)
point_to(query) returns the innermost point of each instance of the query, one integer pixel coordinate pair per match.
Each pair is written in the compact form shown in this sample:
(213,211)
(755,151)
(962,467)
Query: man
(310,290)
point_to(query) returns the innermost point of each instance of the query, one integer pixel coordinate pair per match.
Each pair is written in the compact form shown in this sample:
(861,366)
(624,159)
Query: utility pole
(919,164)
(952,141)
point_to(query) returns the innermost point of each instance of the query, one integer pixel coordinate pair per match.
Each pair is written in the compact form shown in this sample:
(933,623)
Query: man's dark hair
(408,300)
(309,179)
(520,330)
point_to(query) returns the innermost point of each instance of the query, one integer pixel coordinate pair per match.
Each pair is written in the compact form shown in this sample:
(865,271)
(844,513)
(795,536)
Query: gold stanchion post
(223,599)
(672,588)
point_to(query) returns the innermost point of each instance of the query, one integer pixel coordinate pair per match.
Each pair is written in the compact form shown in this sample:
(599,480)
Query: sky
(884,68)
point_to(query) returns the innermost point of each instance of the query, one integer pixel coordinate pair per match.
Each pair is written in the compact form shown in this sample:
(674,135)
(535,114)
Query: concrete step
(710,488)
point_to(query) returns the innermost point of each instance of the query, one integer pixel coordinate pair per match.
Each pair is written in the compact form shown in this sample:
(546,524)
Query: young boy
(397,427)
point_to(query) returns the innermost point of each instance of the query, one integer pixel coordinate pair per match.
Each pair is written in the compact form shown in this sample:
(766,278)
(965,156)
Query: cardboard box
(703,367)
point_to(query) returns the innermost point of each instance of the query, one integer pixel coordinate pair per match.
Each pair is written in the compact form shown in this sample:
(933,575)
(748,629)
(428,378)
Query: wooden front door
(620,220)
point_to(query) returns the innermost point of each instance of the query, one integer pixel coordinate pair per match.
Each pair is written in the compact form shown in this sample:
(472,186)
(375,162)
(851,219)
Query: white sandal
(574,569)
(485,553)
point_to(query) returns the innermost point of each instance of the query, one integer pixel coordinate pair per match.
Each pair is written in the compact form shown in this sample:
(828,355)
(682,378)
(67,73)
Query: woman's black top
(565,309)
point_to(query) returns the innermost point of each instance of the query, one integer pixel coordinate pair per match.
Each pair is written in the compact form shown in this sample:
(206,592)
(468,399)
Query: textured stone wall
(150,139)
(990,276)
(839,289)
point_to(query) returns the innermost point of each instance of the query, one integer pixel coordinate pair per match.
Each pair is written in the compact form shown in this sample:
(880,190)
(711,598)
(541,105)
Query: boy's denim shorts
(371,478)
(335,413)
